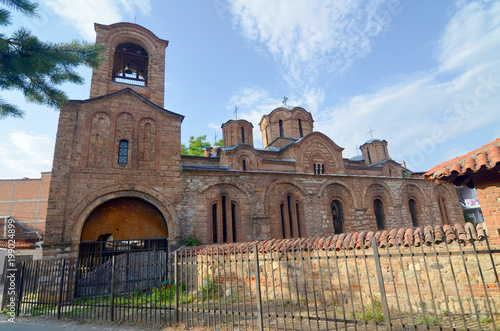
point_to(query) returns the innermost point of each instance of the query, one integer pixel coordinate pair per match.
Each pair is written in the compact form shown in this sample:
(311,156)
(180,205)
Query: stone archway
(124,218)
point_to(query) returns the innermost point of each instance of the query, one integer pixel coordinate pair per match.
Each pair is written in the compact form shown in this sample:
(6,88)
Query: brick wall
(488,194)
(25,200)
(259,195)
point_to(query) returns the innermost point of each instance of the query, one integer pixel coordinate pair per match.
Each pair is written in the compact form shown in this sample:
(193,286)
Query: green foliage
(196,147)
(430,320)
(191,241)
(379,311)
(218,143)
(485,319)
(36,67)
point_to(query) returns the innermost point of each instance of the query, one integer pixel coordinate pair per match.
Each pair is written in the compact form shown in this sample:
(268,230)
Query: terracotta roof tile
(484,158)
(349,241)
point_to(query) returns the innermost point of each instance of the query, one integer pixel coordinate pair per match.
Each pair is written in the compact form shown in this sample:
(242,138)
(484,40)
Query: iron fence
(300,284)
(308,284)
(110,281)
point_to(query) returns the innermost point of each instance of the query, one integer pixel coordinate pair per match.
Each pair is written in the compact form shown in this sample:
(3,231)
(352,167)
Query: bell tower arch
(134,58)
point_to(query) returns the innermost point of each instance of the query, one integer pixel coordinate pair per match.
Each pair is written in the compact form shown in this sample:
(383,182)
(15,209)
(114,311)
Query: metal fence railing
(315,284)
(374,281)
(124,282)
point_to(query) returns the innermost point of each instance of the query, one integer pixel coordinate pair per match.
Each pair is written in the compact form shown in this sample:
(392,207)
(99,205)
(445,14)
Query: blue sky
(425,75)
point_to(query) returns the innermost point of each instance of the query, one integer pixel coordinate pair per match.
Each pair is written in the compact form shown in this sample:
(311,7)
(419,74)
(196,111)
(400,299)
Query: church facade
(118,172)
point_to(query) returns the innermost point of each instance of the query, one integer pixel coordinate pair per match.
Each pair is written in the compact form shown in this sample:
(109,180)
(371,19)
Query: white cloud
(459,96)
(82,14)
(313,37)
(24,154)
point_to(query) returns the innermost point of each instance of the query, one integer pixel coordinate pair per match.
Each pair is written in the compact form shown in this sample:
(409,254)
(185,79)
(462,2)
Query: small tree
(197,146)
(36,67)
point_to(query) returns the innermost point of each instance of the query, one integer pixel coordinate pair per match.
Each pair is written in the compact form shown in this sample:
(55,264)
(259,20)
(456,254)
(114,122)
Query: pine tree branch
(8,110)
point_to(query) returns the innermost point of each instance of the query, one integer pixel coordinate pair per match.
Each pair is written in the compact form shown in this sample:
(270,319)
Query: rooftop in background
(459,170)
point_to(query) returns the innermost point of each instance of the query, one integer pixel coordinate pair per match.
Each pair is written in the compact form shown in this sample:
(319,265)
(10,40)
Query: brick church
(118,172)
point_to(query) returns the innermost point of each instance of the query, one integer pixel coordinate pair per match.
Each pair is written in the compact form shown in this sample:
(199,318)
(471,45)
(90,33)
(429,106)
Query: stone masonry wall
(259,194)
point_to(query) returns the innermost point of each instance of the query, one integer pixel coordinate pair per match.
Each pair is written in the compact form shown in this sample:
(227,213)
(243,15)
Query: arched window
(233,220)
(244,165)
(442,210)
(378,208)
(290,217)
(130,65)
(314,168)
(337,216)
(412,205)
(369,157)
(123,152)
(322,169)
(300,128)
(214,223)
(242,135)
(282,134)
(224,220)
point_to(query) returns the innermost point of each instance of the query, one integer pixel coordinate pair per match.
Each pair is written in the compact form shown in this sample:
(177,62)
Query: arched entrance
(126,234)
(124,219)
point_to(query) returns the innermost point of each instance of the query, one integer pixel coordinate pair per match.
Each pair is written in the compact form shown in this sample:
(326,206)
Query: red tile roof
(354,240)
(484,158)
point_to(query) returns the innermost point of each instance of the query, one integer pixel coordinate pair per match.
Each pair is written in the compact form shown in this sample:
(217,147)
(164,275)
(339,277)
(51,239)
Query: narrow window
(390,172)
(412,204)
(282,134)
(369,157)
(300,128)
(322,169)
(442,210)
(282,220)
(244,164)
(242,135)
(290,217)
(378,207)
(123,152)
(297,209)
(314,167)
(224,219)
(214,222)
(337,216)
(233,220)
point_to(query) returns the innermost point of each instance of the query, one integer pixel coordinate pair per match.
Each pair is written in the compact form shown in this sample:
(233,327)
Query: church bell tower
(134,58)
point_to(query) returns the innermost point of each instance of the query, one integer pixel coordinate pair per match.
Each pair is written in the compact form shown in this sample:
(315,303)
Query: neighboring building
(118,172)
(479,169)
(470,204)
(25,200)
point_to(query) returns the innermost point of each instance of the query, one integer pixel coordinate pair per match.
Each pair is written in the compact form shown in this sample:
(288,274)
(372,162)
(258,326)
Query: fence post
(20,293)
(112,314)
(176,289)
(381,284)
(257,287)
(61,285)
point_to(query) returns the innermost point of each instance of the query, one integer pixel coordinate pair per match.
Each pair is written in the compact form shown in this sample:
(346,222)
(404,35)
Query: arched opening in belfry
(130,65)
(124,219)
